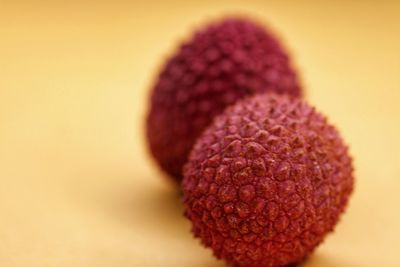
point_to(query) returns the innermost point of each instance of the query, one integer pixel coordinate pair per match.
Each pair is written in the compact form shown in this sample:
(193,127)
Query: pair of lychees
(264,176)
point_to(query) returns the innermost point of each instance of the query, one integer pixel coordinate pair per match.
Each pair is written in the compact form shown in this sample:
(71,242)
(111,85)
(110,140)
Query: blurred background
(77,186)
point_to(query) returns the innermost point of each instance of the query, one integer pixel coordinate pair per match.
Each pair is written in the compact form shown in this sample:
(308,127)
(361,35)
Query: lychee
(266,181)
(222,63)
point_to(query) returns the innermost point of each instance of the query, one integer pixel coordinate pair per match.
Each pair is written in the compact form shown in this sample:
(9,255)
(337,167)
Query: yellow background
(77,187)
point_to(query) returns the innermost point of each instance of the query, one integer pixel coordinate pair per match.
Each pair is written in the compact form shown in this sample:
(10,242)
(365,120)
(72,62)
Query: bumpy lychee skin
(219,65)
(266,181)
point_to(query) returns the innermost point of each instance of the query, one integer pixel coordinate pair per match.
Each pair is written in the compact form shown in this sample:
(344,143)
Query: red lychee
(222,63)
(266,181)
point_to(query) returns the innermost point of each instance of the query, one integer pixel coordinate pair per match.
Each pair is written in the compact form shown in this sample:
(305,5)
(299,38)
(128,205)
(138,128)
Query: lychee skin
(266,181)
(221,64)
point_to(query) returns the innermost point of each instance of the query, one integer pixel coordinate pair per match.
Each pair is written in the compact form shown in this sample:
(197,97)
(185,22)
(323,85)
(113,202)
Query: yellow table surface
(77,186)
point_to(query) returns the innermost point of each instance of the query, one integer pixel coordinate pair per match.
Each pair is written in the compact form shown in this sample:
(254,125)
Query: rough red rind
(266,181)
(222,63)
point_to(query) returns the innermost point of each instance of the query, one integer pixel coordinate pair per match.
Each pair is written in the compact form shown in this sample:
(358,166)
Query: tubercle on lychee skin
(222,63)
(266,182)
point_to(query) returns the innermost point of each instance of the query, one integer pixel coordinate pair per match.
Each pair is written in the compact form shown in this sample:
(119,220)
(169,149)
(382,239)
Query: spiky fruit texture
(266,181)
(219,65)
